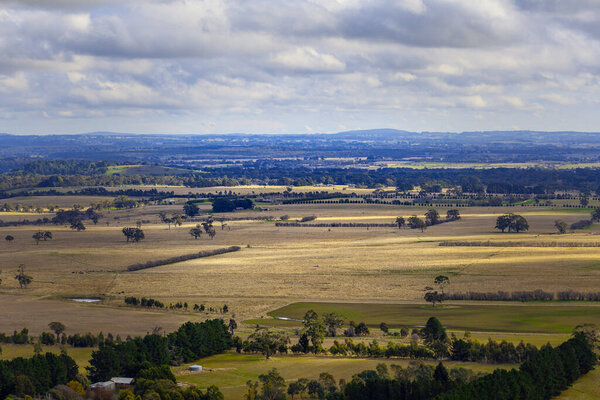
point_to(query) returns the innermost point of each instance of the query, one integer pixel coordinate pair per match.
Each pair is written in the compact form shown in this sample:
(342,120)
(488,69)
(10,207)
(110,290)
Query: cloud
(414,64)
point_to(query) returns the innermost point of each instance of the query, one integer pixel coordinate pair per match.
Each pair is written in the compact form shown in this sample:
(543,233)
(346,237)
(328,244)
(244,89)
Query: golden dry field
(281,265)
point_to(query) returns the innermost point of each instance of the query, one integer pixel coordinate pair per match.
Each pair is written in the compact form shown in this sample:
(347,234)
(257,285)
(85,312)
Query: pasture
(231,371)
(366,274)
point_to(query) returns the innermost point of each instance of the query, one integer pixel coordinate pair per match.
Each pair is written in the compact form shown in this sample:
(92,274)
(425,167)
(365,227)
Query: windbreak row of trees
(541,377)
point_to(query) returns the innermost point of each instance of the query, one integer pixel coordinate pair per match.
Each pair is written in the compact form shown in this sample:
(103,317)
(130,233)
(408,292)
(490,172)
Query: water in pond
(87,300)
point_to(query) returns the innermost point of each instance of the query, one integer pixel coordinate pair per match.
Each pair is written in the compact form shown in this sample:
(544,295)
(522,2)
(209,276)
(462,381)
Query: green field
(231,371)
(81,356)
(531,318)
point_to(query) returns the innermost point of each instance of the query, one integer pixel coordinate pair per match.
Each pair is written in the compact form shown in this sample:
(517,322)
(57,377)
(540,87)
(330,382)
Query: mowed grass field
(230,371)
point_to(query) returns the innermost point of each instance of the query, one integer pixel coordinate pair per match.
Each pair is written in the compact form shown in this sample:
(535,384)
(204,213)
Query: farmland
(369,275)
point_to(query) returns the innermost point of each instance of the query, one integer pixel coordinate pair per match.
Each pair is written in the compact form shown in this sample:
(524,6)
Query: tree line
(190,342)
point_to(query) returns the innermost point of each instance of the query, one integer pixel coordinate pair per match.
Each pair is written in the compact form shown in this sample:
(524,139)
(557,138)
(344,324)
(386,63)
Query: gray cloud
(416,64)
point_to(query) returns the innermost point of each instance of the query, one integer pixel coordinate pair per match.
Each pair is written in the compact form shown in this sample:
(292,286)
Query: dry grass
(283,265)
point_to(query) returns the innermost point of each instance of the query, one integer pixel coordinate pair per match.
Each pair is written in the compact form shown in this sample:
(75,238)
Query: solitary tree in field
(561,226)
(196,232)
(503,222)
(57,328)
(401,222)
(9,238)
(21,277)
(133,234)
(433,296)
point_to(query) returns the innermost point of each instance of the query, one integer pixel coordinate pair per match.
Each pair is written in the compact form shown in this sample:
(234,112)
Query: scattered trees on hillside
(133,234)
(512,222)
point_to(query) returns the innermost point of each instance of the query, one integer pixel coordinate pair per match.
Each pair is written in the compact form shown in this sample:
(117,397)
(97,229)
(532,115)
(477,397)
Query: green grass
(231,371)
(586,387)
(81,356)
(498,317)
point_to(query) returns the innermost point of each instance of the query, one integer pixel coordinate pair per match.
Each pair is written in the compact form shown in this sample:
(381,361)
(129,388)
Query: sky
(298,66)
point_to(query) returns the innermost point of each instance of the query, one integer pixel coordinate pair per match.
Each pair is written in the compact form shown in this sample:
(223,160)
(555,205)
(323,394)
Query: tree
(133,234)
(9,238)
(315,329)
(561,226)
(442,281)
(433,296)
(209,228)
(273,386)
(57,328)
(432,217)
(267,342)
(503,222)
(196,232)
(333,322)
(177,220)
(512,222)
(21,277)
(384,327)
(453,215)
(42,235)
(433,331)
(221,204)
(76,224)
(596,214)
(232,325)
(584,201)
(416,223)
(401,222)
(191,209)
(519,223)
(441,374)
